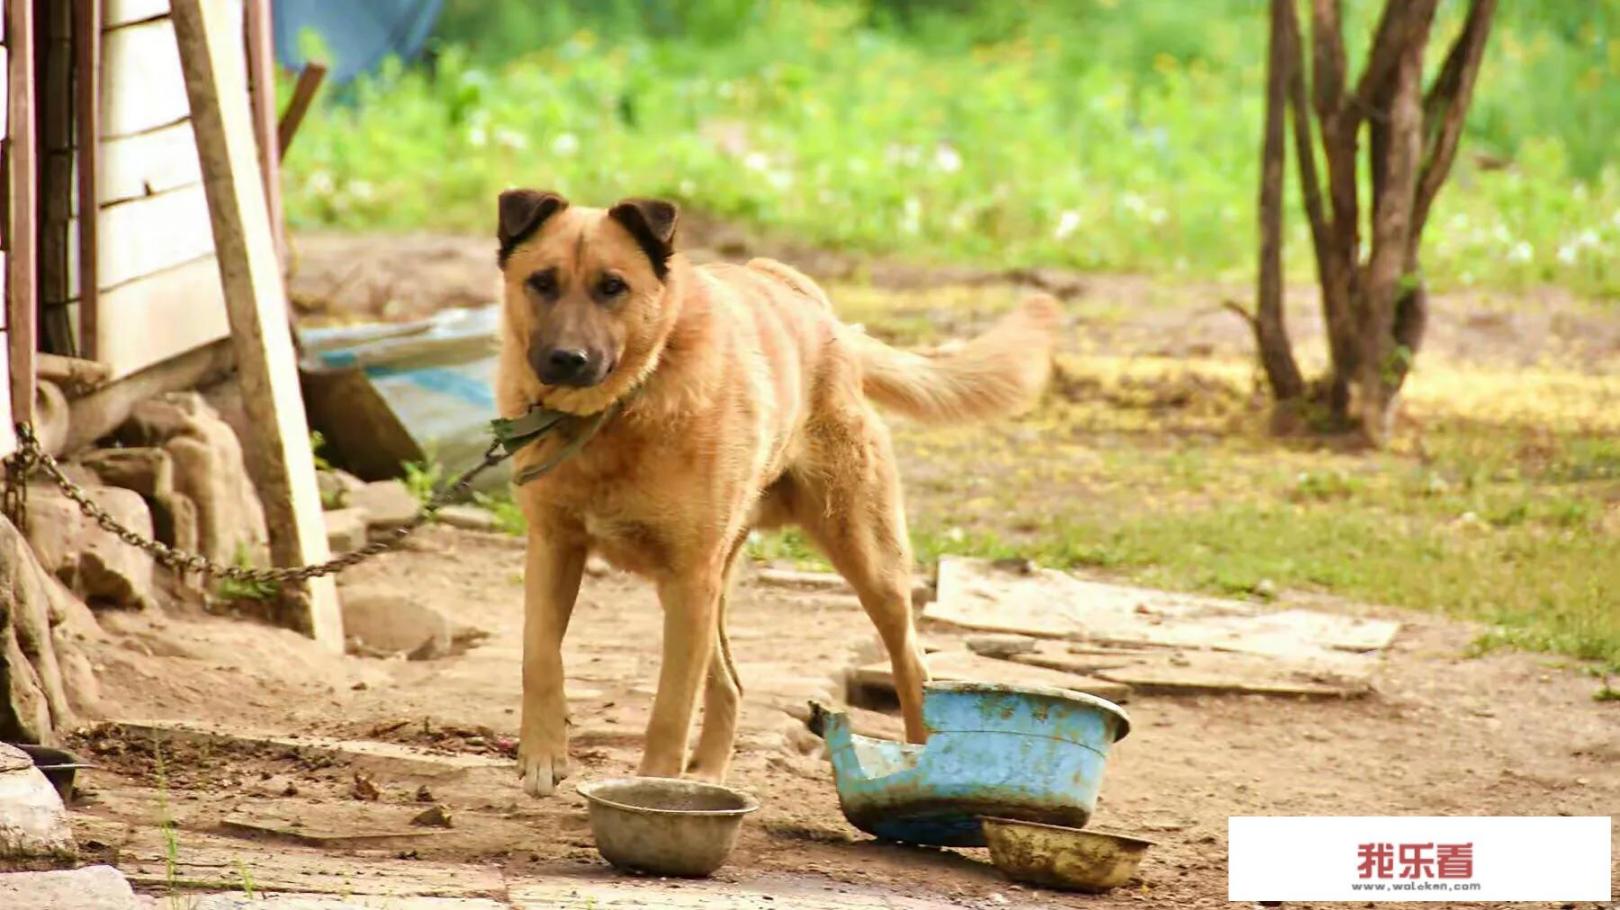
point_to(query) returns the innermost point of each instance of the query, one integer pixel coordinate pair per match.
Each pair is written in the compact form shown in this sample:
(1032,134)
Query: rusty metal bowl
(1066,858)
(666,827)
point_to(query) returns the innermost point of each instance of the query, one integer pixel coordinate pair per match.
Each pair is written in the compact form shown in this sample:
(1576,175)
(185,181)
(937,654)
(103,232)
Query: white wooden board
(148,163)
(141,83)
(145,236)
(159,316)
(973,594)
(122,12)
(5,124)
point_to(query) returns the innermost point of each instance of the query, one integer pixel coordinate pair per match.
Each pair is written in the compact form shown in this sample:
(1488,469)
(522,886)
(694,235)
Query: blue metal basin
(1030,754)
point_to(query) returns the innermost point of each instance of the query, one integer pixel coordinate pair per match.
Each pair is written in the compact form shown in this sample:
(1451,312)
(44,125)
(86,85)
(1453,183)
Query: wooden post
(21,289)
(256,301)
(87,137)
(309,82)
(261,62)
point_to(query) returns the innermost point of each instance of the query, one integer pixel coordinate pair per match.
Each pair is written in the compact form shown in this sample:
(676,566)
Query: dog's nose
(564,365)
(568,361)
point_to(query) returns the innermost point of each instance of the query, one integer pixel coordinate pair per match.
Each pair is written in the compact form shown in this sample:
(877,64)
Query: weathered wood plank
(87,133)
(144,87)
(261,67)
(144,236)
(148,163)
(104,410)
(8,437)
(21,289)
(124,12)
(256,302)
(175,310)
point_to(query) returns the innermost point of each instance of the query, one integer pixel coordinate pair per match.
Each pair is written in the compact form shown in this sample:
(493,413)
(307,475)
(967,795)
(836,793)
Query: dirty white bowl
(667,827)
(1057,857)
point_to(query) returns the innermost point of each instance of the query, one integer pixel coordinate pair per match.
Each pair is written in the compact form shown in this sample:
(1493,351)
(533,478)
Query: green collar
(519,432)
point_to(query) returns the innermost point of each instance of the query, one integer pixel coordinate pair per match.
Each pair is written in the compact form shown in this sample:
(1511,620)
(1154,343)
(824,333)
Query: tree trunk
(1270,330)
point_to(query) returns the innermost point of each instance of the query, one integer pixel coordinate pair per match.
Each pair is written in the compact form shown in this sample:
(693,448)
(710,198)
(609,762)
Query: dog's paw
(542,772)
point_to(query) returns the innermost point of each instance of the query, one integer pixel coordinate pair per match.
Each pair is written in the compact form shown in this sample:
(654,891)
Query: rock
(1002,646)
(209,469)
(89,888)
(336,484)
(388,503)
(34,823)
(43,675)
(149,471)
(345,529)
(385,623)
(146,470)
(436,816)
(468,518)
(90,560)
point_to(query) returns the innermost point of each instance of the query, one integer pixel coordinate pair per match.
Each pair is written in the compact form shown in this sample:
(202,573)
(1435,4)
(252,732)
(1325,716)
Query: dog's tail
(999,373)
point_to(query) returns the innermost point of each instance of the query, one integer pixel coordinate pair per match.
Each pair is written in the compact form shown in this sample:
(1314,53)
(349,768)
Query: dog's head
(585,290)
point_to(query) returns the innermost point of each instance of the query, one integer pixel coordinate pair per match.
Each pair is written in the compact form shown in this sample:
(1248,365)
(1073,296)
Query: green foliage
(230,589)
(423,478)
(508,517)
(1093,134)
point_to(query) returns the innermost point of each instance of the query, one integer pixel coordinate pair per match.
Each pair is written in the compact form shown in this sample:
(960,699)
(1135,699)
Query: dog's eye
(612,286)
(543,283)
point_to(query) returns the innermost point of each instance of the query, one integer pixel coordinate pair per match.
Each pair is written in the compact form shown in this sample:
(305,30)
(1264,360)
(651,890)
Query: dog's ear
(652,223)
(521,214)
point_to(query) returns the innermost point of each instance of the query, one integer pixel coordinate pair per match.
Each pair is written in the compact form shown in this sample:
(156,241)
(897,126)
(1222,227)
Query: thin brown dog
(744,403)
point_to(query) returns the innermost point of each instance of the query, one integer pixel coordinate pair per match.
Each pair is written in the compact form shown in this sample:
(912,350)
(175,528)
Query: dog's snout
(567,360)
(568,365)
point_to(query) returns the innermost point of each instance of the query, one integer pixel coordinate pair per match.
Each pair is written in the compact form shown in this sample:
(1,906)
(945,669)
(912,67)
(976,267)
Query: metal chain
(30,453)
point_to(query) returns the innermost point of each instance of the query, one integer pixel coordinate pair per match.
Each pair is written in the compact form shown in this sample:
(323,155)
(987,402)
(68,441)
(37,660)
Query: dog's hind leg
(851,508)
(551,578)
(722,694)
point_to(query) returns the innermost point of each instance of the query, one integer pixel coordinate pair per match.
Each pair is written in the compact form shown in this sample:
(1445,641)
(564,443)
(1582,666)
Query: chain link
(30,454)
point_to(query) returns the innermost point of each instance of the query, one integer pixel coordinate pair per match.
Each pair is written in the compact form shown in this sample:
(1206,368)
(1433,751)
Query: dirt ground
(1506,733)
(1502,734)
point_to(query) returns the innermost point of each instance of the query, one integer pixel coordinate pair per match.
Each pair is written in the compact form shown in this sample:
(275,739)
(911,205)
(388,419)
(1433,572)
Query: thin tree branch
(1310,186)
(1445,107)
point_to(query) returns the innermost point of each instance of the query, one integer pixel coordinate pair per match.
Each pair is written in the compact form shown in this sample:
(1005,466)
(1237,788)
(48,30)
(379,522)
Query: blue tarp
(358,34)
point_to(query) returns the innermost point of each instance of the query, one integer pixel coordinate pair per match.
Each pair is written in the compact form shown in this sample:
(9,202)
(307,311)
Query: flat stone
(145,469)
(34,822)
(90,888)
(1002,646)
(241,901)
(468,518)
(387,503)
(345,529)
(385,623)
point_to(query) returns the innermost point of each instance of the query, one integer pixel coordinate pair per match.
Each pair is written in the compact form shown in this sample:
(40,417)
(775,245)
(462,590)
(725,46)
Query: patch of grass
(1092,134)
(423,478)
(171,836)
(230,589)
(787,545)
(1500,508)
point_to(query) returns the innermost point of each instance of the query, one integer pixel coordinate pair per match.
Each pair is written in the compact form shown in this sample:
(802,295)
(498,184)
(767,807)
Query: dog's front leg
(551,579)
(691,604)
